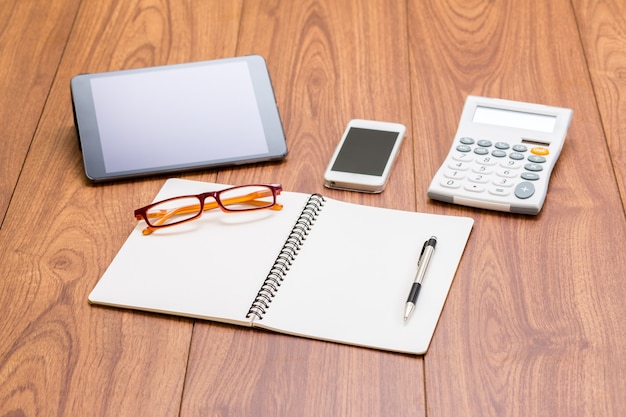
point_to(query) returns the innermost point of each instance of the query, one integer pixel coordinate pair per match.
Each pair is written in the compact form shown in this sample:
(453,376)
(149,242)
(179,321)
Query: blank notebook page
(352,277)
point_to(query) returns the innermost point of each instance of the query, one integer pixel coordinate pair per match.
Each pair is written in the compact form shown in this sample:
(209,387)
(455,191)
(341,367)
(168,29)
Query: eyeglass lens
(247,197)
(174,211)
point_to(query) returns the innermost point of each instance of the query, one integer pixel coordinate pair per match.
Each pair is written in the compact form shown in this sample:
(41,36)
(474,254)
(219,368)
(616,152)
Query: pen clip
(419,260)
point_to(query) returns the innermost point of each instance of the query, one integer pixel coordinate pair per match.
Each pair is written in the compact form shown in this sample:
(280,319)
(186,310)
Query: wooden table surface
(535,323)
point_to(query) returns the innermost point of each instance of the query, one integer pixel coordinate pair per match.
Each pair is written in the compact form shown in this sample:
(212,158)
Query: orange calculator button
(540,151)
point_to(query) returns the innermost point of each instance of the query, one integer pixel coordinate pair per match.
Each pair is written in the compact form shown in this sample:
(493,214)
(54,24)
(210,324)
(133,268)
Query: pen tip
(408,310)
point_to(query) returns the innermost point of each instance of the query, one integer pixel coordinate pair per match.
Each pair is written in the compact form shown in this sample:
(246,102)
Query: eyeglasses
(177,210)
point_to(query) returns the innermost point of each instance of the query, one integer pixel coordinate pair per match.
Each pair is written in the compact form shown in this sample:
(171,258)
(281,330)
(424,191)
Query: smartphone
(364,156)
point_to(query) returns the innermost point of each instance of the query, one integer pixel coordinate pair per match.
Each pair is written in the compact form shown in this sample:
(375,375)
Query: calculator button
(520,148)
(466,141)
(503,182)
(484,143)
(481,151)
(477,188)
(461,166)
(479,178)
(540,151)
(487,160)
(499,191)
(450,183)
(507,173)
(463,148)
(530,176)
(498,153)
(537,159)
(454,175)
(462,156)
(533,167)
(483,169)
(517,156)
(524,190)
(511,164)
(502,145)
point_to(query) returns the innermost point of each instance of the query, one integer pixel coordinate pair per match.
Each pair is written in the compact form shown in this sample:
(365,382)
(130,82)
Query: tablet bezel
(90,141)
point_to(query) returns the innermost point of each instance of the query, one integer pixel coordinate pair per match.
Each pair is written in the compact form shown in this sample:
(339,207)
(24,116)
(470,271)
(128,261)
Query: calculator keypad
(481,166)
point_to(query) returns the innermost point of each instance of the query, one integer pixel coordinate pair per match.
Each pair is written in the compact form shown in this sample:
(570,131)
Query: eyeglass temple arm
(248,199)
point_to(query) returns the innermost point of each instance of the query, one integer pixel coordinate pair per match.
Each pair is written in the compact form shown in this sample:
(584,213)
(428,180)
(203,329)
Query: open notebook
(348,282)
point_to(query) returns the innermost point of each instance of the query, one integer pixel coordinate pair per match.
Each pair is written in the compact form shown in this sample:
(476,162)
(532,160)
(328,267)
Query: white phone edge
(362,182)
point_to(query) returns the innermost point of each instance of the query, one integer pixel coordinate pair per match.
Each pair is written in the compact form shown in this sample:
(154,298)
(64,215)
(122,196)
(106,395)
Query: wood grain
(236,372)
(32,39)
(516,337)
(603,32)
(533,325)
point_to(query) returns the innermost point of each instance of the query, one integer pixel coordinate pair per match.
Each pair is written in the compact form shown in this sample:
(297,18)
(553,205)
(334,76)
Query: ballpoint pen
(422,265)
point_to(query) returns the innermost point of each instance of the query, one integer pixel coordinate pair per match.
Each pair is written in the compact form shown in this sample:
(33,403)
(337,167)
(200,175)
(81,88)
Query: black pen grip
(415,290)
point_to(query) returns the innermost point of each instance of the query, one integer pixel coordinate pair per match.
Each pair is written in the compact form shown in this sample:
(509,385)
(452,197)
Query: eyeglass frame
(143,212)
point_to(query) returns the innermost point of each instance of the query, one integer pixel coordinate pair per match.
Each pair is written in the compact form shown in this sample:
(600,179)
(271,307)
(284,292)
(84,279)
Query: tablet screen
(177,117)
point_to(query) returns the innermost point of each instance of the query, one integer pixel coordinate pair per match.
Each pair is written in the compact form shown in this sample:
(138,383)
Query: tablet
(176,118)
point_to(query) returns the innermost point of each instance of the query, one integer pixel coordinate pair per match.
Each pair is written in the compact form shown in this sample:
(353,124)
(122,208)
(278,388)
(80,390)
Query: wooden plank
(602,27)
(58,355)
(534,322)
(32,38)
(330,61)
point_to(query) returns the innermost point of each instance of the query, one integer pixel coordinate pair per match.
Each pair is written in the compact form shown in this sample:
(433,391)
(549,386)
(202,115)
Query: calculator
(502,155)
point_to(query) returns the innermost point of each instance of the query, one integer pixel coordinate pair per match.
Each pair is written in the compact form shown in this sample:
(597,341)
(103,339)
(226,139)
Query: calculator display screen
(515,119)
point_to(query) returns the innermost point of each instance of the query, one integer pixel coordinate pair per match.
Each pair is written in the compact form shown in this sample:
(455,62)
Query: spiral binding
(285,258)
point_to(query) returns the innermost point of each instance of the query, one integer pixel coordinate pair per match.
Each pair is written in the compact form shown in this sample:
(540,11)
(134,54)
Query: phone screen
(365,151)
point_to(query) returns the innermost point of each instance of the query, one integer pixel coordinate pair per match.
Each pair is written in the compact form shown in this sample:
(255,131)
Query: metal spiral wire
(286,256)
